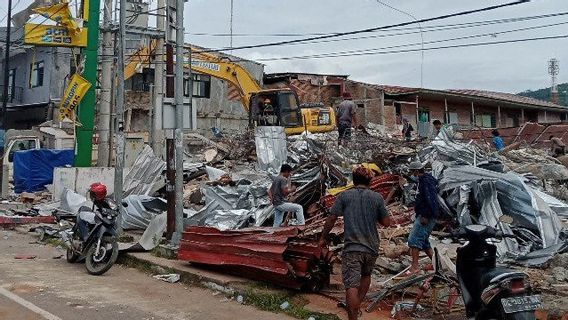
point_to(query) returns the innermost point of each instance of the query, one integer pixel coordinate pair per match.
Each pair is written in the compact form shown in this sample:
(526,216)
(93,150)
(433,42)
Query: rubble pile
(228,215)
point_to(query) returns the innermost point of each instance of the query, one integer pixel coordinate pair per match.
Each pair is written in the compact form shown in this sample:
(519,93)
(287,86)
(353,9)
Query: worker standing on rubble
(436,130)
(280,189)
(426,208)
(558,147)
(345,118)
(497,140)
(407,129)
(361,209)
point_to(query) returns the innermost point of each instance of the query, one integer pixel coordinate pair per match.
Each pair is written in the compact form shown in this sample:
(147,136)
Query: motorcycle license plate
(521,303)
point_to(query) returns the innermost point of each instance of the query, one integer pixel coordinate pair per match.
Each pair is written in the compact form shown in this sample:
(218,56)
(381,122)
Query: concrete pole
(498,116)
(522,117)
(119,167)
(446,114)
(103,120)
(179,118)
(473,122)
(157,138)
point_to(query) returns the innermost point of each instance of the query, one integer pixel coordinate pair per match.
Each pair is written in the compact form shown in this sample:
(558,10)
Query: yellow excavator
(266,107)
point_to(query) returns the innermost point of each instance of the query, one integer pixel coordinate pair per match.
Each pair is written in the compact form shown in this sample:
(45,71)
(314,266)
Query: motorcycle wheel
(72,256)
(97,265)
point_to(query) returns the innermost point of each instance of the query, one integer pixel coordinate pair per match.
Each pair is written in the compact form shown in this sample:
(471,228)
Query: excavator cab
(276,108)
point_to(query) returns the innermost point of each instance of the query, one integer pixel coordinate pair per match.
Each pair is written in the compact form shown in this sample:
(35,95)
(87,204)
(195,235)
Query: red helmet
(98,191)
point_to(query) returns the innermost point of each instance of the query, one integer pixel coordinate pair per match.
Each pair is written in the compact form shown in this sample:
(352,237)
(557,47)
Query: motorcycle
(93,237)
(491,292)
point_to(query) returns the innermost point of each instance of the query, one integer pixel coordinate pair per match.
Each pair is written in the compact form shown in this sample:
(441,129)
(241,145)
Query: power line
(421,38)
(347,52)
(477,44)
(439,27)
(450,27)
(462,13)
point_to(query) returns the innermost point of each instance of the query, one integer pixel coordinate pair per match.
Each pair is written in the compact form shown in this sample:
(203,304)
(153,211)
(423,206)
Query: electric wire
(340,34)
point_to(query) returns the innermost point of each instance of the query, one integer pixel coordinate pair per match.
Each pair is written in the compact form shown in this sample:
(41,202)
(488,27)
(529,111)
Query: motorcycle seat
(498,274)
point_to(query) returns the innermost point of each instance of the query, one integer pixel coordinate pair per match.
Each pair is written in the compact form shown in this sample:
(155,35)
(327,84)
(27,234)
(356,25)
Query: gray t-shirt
(346,111)
(277,188)
(361,209)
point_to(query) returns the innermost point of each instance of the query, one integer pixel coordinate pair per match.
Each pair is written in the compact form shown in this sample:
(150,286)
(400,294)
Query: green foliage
(544,94)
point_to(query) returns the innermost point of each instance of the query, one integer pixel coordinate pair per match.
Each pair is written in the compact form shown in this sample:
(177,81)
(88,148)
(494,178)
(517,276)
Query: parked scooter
(93,237)
(491,292)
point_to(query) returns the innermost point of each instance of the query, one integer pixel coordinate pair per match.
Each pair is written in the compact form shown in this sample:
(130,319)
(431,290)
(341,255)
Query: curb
(248,292)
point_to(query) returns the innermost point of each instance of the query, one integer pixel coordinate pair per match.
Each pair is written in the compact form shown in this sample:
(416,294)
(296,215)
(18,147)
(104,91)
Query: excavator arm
(224,69)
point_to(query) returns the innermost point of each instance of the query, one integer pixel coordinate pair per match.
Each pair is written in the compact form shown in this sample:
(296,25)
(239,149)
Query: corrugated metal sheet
(277,255)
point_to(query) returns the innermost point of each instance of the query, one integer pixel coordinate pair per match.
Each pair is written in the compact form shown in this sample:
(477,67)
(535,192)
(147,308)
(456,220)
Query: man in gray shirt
(278,192)
(345,118)
(361,209)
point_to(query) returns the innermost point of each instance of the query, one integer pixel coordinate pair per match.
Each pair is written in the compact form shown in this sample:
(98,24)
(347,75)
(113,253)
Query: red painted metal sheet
(382,184)
(277,255)
(16,220)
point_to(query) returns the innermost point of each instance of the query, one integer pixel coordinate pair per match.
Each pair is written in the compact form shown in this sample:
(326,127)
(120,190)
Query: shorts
(344,130)
(419,235)
(355,265)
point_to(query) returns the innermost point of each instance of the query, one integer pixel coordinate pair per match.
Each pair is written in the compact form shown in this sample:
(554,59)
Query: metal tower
(553,69)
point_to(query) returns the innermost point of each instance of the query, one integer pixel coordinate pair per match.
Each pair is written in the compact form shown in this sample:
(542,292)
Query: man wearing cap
(361,209)
(345,118)
(426,208)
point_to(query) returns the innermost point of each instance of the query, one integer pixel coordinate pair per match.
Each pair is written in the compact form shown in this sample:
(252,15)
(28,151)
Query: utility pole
(157,137)
(6,65)
(4,171)
(86,112)
(119,166)
(103,125)
(179,119)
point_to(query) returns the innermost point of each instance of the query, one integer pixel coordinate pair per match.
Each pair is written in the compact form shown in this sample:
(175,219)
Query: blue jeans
(288,207)
(420,234)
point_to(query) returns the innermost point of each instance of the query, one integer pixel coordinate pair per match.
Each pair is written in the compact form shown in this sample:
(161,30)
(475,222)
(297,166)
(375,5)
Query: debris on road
(171,278)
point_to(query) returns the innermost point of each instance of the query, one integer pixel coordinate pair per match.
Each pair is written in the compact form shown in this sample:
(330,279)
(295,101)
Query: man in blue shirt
(426,208)
(498,141)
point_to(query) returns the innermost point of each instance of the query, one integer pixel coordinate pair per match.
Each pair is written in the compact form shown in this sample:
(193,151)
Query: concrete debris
(171,278)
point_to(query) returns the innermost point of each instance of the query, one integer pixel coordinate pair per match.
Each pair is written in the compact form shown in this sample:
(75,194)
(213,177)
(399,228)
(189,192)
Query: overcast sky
(506,67)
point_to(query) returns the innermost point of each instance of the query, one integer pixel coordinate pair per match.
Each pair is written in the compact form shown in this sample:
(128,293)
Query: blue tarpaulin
(33,169)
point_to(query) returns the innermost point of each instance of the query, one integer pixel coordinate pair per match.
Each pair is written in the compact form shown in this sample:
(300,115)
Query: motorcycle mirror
(506,219)
(124,204)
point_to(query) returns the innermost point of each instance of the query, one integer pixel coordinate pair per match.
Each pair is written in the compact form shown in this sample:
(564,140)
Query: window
(486,120)
(36,74)
(11,84)
(201,86)
(453,118)
(424,115)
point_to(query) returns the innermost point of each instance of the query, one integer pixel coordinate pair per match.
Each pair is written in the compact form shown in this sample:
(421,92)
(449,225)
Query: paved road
(49,288)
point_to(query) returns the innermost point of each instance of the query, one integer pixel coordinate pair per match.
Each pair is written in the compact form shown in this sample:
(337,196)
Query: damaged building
(386,105)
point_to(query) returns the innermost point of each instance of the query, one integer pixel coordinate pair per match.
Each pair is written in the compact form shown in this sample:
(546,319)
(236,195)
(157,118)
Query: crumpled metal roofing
(276,255)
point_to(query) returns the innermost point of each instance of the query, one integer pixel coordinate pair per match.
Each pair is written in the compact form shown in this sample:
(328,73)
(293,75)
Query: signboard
(206,65)
(61,14)
(74,93)
(55,36)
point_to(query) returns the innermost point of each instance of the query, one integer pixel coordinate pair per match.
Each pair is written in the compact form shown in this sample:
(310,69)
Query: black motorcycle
(93,237)
(491,292)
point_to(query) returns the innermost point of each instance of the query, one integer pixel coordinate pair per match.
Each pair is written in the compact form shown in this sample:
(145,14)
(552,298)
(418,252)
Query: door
(290,114)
